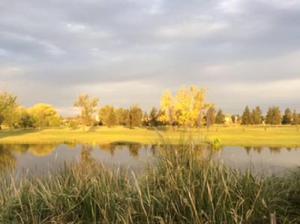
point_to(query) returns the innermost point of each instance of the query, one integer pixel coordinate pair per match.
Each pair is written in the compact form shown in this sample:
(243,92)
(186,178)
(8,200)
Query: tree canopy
(88,107)
(45,115)
(273,116)
(8,109)
(108,116)
(187,108)
(220,118)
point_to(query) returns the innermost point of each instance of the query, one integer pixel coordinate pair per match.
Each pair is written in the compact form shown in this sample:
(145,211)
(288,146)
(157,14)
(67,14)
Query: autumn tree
(287,117)
(220,118)
(190,106)
(45,115)
(273,116)
(8,109)
(167,105)
(184,107)
(199,106)
(246,117)
(108,116)
(88,107)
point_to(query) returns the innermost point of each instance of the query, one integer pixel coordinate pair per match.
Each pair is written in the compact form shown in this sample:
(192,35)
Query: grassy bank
(180,189)
(287,136)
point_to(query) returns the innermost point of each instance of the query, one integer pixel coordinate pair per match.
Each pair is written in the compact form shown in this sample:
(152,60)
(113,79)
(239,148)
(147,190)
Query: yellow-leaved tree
(167,106)
(187,108)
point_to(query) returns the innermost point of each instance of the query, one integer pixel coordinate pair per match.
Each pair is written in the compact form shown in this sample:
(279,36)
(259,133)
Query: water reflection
(38,158)
(7,159)
(260,160)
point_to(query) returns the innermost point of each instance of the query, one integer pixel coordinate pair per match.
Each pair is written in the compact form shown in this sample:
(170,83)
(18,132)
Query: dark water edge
(39,160)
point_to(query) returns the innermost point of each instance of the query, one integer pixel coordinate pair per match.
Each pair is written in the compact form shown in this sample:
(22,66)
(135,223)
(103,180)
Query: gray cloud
(53,50)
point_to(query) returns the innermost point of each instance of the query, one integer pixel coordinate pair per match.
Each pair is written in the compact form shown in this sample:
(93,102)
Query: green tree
(26,119)
(45,115)
(273,116)
(122,116)
(246,117)
(154,117)
(256,116)
(88,107)
(135,116)
(295,118)
(108,116)
(210,116)
(287,117)
(220,118)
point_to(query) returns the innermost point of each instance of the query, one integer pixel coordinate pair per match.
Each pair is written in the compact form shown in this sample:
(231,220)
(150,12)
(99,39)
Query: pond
(40,159)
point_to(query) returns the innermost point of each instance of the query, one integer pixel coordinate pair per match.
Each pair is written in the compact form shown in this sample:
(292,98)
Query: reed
(181,188)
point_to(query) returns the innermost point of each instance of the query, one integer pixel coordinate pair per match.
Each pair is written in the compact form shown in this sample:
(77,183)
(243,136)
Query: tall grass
(181,188)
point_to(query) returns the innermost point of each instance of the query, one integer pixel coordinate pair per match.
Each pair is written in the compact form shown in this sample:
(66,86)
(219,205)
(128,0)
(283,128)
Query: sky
(244,52)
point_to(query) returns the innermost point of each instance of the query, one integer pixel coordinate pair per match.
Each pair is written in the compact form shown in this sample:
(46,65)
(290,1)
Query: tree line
(186,108)
(273,116)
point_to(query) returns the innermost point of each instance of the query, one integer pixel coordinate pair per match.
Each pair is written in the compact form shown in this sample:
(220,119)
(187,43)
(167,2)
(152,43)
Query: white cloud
(155,7)
(230,6)
(72,27)
(192,29)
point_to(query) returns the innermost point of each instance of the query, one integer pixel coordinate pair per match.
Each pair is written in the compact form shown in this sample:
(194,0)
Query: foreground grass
(182,188)
(285,136)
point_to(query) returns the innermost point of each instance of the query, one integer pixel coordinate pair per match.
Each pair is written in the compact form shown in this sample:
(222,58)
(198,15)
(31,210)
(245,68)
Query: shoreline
(284,136)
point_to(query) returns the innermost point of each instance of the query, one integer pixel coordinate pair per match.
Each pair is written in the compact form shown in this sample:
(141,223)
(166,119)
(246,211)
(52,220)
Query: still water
(41,159)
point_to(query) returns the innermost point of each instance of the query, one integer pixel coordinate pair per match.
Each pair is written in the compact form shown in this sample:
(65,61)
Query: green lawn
(288,136)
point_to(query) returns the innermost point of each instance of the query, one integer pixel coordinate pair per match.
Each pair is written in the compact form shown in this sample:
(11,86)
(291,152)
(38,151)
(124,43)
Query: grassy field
(287,136)
(182,188)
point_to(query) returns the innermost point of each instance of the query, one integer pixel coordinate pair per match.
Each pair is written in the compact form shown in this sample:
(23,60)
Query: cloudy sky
(130,51)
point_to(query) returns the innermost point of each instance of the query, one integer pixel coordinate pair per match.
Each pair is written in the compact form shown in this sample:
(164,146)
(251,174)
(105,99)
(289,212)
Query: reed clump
(180,188)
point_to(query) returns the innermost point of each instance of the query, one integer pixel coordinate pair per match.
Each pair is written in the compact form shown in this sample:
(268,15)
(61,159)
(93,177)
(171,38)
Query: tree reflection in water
(275,150)
(41,150)
(109,147)
(85,155)
(134,150)
(7,159)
